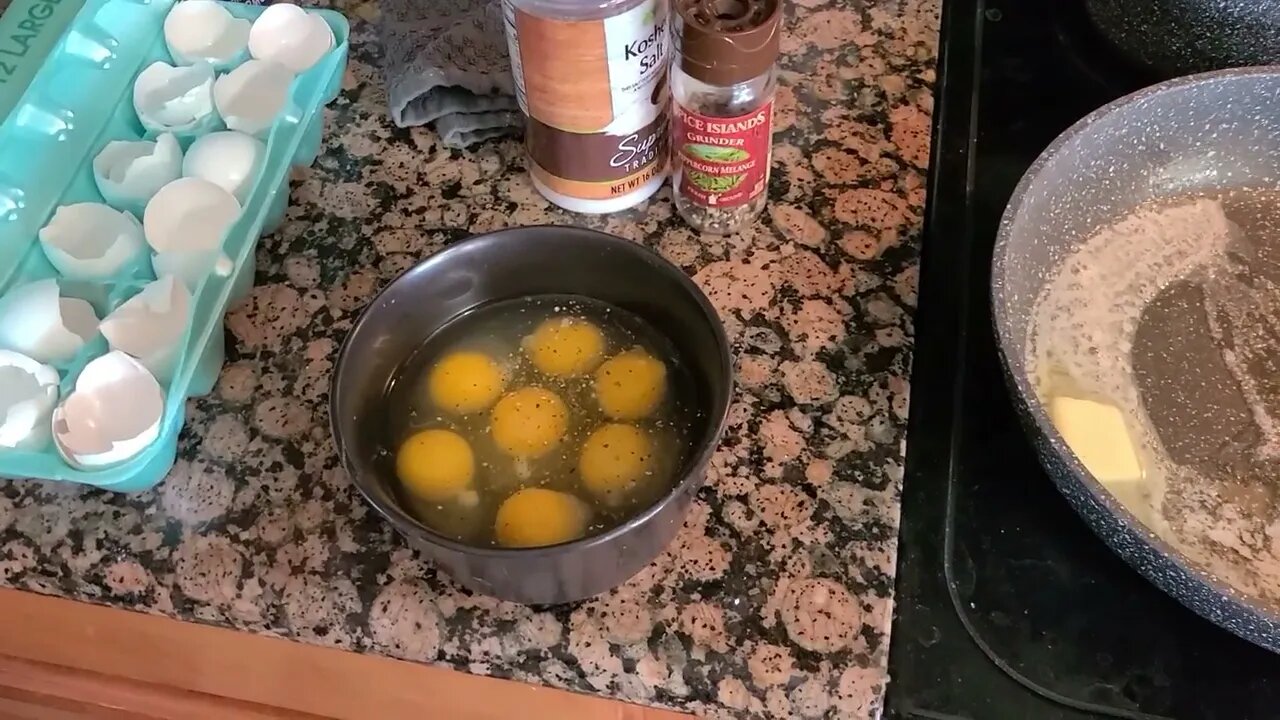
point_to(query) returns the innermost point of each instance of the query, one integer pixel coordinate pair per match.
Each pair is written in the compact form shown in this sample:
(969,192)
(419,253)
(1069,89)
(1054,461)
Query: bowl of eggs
(534,408)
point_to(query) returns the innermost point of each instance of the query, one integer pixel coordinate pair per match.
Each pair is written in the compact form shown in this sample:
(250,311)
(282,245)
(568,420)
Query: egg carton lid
(29,29)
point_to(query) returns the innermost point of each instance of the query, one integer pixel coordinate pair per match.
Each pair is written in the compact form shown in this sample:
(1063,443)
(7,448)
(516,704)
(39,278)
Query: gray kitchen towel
(446,62)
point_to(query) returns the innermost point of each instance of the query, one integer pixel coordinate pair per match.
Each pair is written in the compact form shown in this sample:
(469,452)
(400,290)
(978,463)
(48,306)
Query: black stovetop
(1007,605)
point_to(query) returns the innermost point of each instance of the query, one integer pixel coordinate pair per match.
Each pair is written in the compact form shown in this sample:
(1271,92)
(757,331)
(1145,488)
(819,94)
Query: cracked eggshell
(185,224)
(228,159)
(250,98)
(37,322)
(174,99)
(150,326)
(112,415)
(128,173)
(28,392)
(287,34)
(203,31)
(91,241)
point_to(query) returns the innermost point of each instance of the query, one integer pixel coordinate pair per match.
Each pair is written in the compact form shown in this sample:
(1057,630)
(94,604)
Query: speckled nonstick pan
(1218,131)
(1176,37)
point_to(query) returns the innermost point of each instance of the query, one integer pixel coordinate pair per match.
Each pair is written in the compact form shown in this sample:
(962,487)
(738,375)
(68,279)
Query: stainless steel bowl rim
(1005,330)
(406,524)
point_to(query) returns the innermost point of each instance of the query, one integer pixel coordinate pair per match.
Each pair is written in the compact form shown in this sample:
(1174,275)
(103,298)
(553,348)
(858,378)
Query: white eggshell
(190,268)
(228,159)
(28,392)
(37,322)
(185,224)
(250,98)
(128,173)
(112,415)
(203,31)
(150,325)
(169,98)
(287,34)
(91,241)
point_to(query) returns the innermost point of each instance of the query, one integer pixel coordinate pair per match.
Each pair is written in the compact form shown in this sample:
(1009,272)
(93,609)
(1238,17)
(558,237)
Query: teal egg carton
(80,100)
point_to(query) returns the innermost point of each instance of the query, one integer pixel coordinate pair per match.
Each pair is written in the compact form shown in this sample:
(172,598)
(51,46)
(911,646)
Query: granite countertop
(774,600)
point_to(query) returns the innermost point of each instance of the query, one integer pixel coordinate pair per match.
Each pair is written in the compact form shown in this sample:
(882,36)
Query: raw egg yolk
(534,517)
(565,347)
(465,382)
(614,458)
(529,422)
(630,386)
(435,465)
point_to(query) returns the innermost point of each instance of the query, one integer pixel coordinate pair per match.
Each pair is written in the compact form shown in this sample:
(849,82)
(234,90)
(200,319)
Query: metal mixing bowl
(505,265)
(1204,133)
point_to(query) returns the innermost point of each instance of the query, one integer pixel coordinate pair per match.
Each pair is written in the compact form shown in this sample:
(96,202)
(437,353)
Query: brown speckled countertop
(775,599)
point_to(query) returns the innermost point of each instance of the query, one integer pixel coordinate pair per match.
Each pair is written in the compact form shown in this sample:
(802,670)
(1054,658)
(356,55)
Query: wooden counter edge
(65,659)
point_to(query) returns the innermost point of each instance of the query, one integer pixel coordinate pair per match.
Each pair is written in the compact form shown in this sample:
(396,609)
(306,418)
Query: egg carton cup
(80,100)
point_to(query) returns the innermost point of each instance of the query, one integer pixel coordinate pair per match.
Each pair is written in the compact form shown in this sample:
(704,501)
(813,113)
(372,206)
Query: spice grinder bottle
(590,76)
(723,79)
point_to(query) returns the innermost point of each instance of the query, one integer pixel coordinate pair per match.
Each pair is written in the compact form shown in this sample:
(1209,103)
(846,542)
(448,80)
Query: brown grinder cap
(725,42)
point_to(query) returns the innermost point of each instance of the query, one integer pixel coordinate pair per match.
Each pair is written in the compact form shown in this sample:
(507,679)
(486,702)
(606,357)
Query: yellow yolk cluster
(614,458)
(565,347)
(534,517)
(435,465)
(528,423)
(465,382)
(580,407)
(630,385)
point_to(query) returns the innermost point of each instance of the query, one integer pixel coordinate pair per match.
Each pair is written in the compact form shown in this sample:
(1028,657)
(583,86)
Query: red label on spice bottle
(722,161)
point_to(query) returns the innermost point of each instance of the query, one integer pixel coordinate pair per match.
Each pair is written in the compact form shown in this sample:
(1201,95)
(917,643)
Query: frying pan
(1176,37)
(1206,132)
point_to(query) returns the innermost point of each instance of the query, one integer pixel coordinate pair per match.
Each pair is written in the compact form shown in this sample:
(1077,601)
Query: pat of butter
(1097,435)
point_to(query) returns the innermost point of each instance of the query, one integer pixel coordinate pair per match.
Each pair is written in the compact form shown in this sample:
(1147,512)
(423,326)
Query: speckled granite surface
(774,601)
